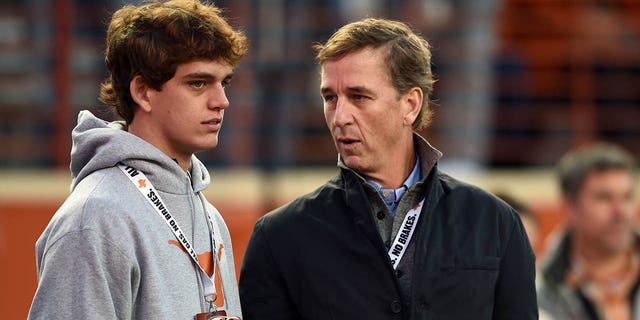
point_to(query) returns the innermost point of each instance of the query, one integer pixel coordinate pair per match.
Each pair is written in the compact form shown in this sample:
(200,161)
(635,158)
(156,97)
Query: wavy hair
(152,40)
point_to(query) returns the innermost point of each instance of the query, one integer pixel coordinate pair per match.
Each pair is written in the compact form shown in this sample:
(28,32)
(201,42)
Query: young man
(136,239)
(593,270)
(390,237)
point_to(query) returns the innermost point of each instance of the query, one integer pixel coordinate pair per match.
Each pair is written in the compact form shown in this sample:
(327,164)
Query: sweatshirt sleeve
(83,276)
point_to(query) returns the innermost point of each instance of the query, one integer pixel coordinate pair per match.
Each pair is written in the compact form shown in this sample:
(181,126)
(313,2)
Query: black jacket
(321,257)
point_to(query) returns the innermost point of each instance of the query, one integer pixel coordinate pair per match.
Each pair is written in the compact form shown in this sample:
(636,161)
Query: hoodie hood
(97,144)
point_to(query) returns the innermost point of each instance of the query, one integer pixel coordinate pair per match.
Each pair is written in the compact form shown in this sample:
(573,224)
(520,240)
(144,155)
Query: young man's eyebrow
(198,75)
(205,75)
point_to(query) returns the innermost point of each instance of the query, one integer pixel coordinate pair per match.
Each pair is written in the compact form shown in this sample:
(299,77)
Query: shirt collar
(394,195)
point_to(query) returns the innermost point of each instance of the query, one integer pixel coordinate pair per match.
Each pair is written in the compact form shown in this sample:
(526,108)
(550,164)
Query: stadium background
(520,82)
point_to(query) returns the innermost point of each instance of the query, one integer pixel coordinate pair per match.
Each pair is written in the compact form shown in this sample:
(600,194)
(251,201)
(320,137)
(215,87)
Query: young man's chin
(212,141)
(208,145)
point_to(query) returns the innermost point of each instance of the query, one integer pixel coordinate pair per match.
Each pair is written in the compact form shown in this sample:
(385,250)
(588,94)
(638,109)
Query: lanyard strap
(401,242)
(145,187)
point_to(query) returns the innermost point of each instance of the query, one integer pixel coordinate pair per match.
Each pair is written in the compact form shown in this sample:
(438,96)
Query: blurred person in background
(390,237)
(592,269)
(136,239)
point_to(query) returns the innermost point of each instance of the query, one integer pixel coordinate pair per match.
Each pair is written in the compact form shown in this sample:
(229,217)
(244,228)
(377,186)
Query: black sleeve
(263,292)
(515,296)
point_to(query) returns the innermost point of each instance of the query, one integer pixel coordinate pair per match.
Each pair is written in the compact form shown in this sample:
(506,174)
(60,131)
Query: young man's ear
(140,93)
(413,103)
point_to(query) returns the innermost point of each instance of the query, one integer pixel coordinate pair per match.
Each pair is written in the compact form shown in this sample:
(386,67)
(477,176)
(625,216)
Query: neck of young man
(184,162)
(183,159)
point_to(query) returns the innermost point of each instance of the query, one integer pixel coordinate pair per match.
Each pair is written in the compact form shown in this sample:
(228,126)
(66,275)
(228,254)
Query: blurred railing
(520,81)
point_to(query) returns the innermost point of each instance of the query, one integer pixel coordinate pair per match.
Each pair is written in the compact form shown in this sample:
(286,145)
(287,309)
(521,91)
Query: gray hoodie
(107,254)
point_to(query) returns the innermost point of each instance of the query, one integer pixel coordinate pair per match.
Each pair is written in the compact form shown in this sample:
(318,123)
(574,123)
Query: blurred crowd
(546,74)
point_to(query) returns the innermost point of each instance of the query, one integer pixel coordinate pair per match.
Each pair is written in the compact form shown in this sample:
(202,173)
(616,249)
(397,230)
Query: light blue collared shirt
(392,197)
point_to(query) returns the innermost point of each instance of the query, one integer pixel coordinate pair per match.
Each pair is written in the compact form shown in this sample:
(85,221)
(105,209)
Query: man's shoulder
(473,199)
(306,206)
(462,188)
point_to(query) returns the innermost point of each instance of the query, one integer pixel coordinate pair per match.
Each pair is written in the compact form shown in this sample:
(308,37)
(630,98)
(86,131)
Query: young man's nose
(218,98)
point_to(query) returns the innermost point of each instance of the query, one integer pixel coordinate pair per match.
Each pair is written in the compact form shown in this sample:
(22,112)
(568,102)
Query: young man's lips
(213,123)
